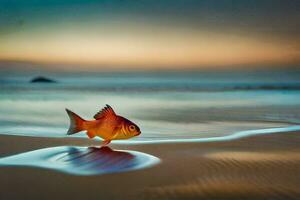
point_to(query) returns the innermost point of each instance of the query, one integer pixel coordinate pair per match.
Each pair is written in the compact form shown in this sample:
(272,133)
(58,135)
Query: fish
(106,125)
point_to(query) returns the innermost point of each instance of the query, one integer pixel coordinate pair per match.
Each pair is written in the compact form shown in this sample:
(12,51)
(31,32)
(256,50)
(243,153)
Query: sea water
(166,105)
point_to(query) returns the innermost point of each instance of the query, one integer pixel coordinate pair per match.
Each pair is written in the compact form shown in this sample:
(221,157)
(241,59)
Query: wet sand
(256,167)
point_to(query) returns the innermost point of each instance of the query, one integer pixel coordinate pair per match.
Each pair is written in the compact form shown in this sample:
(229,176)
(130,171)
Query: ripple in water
(82,160)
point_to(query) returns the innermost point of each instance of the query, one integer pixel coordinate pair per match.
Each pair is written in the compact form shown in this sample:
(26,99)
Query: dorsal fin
(107,111)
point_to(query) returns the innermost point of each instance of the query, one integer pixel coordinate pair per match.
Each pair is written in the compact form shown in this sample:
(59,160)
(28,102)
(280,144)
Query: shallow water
(82,160)
(177,105)
(233,136)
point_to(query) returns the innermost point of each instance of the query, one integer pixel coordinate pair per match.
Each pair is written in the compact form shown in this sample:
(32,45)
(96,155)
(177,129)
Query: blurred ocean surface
(166,105)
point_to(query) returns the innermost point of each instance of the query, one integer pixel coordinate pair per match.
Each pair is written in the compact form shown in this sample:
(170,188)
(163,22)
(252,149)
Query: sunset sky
(151,33)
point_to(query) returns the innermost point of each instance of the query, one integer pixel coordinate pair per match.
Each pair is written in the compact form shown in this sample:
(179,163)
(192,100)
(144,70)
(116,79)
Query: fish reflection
(82,160)
(99,159)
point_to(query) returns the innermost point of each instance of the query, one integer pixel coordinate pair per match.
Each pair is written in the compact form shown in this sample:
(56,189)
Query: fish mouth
(139,133)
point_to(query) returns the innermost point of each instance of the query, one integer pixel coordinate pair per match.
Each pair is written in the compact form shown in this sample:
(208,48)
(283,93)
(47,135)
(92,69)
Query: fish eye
(132,127)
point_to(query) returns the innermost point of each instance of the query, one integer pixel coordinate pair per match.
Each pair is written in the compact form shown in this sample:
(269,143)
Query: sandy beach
(256,167)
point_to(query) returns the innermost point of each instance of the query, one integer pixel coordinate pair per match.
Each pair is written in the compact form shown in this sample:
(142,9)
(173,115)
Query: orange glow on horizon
(147,49)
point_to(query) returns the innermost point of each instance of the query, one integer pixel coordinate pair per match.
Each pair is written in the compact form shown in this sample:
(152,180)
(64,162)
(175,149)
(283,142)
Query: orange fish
(107,125)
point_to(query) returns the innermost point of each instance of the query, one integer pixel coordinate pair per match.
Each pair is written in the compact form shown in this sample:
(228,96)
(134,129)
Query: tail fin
(76,123)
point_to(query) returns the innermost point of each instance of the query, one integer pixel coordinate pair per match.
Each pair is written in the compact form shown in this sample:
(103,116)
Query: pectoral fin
(105,142)
(90,134)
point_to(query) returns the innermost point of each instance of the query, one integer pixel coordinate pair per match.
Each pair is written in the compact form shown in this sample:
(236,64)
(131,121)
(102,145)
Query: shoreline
(233,136)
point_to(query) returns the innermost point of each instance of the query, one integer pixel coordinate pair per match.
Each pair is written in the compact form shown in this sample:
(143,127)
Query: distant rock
(41,79)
